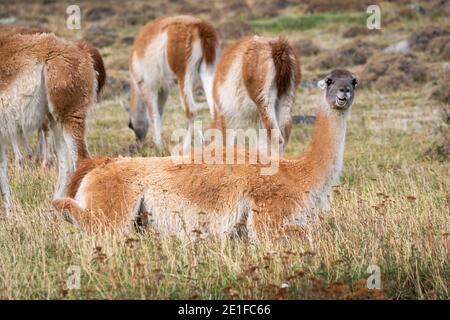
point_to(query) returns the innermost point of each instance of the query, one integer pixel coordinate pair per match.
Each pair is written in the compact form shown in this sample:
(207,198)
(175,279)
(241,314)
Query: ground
(390,209)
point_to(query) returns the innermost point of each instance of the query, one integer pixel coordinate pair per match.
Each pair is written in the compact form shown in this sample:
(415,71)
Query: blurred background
(403,67)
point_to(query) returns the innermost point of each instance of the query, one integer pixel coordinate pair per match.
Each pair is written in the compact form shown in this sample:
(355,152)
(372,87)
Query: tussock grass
(390,210)
(394,220)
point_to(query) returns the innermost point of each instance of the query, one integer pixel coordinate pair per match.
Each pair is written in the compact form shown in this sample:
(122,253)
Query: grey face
(137,121)
(139,125)
(340,88)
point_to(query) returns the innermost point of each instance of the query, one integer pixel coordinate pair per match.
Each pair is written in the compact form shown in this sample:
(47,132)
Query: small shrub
(392,71)
(420,39)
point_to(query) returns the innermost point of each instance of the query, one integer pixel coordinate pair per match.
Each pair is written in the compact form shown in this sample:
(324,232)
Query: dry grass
(391,209)
(393,219)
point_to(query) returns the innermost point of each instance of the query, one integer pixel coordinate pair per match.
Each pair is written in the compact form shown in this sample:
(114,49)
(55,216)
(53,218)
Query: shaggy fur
(186,200)
(44,149)
(99,66)
(42,75)
(180,48)
(254,86)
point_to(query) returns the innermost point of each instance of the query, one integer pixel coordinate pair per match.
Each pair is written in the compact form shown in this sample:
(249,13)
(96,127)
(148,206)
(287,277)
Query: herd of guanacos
(48,84)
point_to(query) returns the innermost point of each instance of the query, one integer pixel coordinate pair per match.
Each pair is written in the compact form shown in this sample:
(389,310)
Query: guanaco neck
(321,162)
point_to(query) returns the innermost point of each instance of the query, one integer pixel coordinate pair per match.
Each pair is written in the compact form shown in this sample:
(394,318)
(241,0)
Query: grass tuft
(307,22)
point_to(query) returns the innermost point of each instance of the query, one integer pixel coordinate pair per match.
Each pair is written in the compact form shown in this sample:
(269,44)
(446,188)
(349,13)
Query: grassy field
(287,23)
(391,208)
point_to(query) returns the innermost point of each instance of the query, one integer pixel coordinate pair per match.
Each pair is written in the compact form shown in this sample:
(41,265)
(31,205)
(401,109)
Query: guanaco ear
(125,106)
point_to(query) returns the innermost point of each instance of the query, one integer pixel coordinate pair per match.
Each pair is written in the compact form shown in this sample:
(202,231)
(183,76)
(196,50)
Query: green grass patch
(306,22)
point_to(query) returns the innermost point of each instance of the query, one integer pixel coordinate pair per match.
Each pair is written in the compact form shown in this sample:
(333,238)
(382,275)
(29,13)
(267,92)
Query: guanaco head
(340,87)
(137,120)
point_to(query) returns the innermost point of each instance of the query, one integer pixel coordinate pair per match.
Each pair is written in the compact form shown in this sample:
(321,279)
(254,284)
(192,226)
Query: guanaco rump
(218,200)
(43,76)
(254,87)
(180,48)
(44,145)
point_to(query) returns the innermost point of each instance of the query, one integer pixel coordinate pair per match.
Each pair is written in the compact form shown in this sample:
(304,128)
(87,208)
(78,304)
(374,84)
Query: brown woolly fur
(208,36)
(181,31)
(100,76)
(69,76)
(84,167)
(168,48)
(263,70)
(284,64)
(51,78)
(209,188)
(220,199)
(255,69)
(99,66)
(72,99)
(224,65)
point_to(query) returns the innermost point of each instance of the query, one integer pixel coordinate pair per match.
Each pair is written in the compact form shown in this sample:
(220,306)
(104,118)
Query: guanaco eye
(329,81)
(354,82)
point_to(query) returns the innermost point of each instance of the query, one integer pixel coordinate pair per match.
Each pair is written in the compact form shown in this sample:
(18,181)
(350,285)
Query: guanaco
(180,48)
(185,200)
(43,76)
(254,87)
